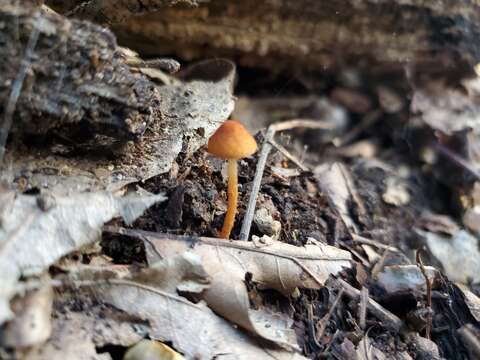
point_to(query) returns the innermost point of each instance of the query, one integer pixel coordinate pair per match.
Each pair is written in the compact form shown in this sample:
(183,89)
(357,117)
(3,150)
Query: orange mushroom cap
(232,141)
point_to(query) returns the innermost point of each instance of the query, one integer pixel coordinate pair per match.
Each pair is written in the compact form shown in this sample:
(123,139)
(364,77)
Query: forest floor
(364,240)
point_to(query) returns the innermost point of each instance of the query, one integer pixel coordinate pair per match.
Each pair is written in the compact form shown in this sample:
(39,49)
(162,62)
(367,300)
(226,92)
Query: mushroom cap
(232,141)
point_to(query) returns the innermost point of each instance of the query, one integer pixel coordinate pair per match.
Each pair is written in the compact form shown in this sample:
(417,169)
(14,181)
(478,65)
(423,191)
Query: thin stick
(362,313)
(364,240)
(367,121)
(456,158)
(16,89)
(311,325)
(257,180)
(289,155)
(428,326)
(262,160)
(324,321)
(386,317)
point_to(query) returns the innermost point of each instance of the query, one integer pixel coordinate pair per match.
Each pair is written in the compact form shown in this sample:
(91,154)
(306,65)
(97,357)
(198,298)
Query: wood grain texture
(316,34)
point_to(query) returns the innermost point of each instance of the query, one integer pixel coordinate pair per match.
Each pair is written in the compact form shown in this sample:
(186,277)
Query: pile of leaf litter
(363,241)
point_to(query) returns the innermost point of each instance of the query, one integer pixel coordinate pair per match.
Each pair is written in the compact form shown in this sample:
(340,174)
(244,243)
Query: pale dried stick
(386,317)
(364,240)
(289,155)
(262,160)
(362,313)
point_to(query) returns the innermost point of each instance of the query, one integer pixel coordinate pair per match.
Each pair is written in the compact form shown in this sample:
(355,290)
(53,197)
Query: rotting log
(76,76)
(309,34)
(82,113)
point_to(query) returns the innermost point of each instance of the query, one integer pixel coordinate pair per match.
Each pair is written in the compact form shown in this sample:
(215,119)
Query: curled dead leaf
(273,265)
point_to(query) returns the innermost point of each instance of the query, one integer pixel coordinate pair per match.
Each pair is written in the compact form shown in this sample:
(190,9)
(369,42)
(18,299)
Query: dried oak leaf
(77,335)
(36,231)
(193,329)
(273,265)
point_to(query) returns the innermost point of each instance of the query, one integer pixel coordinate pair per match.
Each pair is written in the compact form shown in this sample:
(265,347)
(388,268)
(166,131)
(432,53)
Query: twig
(364,261)
(311,325)
(386,317)
(367,121)
(16,89)
(324,321)
(362,313)
(289,155)
(429,293)
(262,160)
(456,158)
(364,240)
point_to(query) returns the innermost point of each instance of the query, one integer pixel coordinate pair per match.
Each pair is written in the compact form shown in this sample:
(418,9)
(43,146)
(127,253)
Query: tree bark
(312,34)
(76,78)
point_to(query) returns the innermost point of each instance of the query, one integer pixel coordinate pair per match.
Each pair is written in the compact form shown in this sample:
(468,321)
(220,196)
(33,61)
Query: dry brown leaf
(78,334)
(273,265)
(36,231)
(183,272)
(193,329)
(151,294)
(336,182)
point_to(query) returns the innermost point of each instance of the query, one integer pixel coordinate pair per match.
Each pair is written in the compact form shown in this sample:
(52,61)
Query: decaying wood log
(78,99)
(76,76)
(315,34)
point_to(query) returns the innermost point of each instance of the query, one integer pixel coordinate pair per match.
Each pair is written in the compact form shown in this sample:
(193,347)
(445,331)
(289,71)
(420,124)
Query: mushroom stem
(232,199)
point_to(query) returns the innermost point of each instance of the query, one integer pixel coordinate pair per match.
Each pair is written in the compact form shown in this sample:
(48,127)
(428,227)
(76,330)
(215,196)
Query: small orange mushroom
(231,142)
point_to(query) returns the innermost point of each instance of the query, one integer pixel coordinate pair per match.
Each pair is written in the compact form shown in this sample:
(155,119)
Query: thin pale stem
(232,199)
